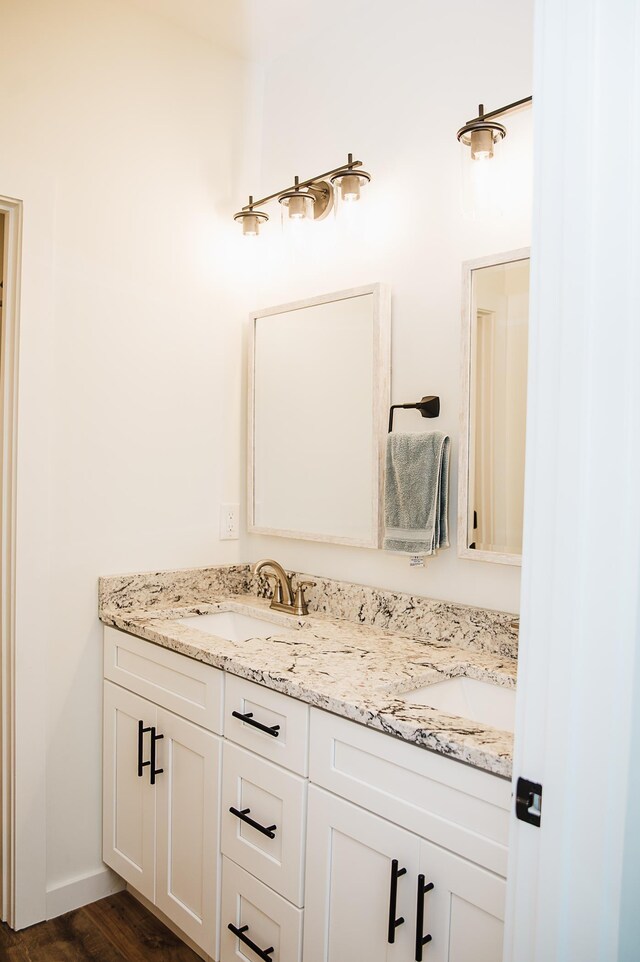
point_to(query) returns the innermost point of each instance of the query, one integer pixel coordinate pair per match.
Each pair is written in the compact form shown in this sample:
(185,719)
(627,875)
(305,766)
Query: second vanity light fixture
(310,199)
(483,132)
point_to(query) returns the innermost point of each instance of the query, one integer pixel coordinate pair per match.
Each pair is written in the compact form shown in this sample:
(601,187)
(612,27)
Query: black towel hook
(429,407)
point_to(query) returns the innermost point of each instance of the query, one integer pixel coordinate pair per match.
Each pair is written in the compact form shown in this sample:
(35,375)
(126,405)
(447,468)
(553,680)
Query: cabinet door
(188,821)
(350,861)
(128,844)
(463,913)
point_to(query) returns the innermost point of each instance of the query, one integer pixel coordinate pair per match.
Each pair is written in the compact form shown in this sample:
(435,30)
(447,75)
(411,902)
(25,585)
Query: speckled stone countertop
(344,665)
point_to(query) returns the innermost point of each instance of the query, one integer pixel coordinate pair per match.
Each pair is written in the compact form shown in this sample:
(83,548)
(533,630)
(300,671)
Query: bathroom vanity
(266,783)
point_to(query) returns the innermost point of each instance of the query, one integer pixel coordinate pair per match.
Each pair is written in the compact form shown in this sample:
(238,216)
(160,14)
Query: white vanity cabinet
(333,842)
(161,787)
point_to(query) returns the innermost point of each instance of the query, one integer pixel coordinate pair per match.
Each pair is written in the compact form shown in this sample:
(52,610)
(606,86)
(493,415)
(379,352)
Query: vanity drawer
(274,800)
(289,743)
(458,807)
(273,923)
(173,681)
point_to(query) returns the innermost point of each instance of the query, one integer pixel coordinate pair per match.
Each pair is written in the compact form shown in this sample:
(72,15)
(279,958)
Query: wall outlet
(229,522)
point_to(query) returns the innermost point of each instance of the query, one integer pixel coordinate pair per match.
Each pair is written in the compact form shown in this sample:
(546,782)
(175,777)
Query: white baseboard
(82,891)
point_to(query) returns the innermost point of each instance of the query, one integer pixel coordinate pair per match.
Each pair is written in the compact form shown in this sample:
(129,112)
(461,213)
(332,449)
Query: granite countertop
(358,671)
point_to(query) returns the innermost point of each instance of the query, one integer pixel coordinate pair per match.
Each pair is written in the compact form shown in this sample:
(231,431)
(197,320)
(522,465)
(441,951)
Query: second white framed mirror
(495,330)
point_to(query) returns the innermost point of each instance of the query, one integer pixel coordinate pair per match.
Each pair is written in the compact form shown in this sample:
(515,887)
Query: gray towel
(417,493)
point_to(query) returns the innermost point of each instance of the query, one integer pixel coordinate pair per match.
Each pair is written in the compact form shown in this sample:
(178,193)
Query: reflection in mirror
(318,400)
(492,450)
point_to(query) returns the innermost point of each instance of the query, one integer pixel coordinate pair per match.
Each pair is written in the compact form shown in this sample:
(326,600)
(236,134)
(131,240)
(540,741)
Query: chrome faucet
(283,592)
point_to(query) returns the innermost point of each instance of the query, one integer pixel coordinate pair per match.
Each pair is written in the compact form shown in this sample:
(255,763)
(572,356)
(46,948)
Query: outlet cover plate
(229,522)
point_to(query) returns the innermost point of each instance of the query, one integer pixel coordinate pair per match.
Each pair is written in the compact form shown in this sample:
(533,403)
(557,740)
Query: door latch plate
(529,801)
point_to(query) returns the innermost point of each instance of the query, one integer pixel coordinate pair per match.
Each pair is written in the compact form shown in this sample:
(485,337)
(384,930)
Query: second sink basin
(478,701)
(232,625)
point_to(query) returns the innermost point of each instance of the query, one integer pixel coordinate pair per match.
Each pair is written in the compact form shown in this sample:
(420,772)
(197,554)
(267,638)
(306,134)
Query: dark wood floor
(116,929)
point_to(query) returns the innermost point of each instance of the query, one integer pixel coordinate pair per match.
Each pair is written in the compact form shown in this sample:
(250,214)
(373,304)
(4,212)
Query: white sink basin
(231,625)
(478,701)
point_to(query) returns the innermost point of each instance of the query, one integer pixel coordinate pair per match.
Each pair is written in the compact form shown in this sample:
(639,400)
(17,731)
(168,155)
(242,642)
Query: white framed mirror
(318,403)
(495,330)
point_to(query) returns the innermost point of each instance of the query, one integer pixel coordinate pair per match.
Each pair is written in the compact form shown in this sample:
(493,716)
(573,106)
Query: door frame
(580,621)
(9,344)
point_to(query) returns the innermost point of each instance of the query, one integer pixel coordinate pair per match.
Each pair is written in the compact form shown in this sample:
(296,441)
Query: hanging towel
(417,493)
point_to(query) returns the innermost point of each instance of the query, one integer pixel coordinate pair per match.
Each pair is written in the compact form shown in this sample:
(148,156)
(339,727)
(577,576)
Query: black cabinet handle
(393,893)
(154,771)
(250,720)
(421,939)
(264,954)
(141,733)
(269,831)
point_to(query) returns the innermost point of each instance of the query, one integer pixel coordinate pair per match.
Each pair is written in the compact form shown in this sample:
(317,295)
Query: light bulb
(250,226)
(350,187)
(297,207)
(481,144)
(251,219)
(347,184)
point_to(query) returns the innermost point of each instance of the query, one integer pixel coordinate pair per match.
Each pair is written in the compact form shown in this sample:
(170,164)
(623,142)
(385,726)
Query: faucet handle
(300,605)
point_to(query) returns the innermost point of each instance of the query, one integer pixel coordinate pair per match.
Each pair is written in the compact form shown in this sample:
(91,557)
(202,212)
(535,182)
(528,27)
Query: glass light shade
(480,184)
(250,225)
(298,205)
(349,188)
(347,185)
(296,215)
(251,220)
(481,144)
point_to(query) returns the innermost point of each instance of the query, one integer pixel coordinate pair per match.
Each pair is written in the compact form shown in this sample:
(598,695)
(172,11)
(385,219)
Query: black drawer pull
(420,938)
(264,954)
(154,771)
(250,720)
(396,873)
(269,831)
(141,733)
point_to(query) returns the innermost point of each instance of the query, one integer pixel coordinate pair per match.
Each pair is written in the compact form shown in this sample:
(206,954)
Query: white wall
(124,137)
(393,83)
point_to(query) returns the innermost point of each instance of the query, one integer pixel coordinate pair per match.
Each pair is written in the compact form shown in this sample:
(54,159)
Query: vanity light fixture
(483,132)
(310,199)
(250,218)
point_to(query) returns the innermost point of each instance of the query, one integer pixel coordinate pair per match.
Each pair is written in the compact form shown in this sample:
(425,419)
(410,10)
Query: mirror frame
(464,551)
(381,402)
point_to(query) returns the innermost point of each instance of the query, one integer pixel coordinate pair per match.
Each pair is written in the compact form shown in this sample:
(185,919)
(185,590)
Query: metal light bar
(350,165)
(501,110)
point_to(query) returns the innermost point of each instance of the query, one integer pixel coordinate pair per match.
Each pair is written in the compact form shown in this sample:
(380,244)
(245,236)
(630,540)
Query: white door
(578,679)
(351,893)
(463,913)
(128,797)
(188,820)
